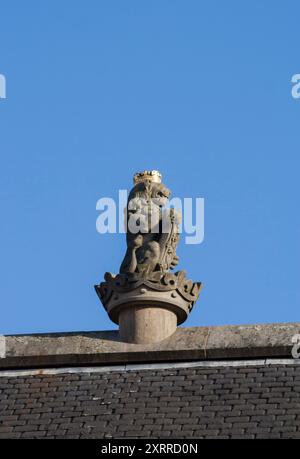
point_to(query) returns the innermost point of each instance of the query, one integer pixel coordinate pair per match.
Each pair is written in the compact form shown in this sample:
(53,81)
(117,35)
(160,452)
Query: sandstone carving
(152,237)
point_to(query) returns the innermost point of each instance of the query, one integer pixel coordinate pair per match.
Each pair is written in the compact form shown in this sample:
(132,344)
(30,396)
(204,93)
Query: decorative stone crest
(144,281)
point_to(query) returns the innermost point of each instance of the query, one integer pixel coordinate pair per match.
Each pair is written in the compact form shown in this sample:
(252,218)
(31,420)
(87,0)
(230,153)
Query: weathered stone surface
(259,340)
(196,343)
(146,324)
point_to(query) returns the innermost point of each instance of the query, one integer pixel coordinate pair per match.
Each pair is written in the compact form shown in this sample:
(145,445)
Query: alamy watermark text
(143,216)
(2,87)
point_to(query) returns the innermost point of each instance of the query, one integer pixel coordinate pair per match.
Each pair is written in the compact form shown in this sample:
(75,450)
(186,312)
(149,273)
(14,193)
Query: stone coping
(105,348)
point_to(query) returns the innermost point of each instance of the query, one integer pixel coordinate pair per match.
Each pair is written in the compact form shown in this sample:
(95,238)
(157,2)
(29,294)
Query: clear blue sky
(97,90)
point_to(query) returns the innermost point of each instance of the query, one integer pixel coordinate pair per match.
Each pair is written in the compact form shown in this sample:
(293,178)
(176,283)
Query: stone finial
(145,299)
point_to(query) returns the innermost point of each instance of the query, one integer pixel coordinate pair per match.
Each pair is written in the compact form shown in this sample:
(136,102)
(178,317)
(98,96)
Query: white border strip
(149,366)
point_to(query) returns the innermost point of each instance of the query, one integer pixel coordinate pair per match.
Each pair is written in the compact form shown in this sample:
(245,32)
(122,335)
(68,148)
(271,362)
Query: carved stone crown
(152,176)
(174,291)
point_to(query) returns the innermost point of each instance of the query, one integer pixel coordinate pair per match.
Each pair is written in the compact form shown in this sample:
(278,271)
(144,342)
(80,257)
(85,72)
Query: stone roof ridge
(104,348)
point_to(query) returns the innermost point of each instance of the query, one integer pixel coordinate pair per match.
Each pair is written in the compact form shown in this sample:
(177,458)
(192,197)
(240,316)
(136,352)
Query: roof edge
(186,344)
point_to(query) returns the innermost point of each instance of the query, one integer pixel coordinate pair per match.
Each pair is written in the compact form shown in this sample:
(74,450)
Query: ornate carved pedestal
(147,308)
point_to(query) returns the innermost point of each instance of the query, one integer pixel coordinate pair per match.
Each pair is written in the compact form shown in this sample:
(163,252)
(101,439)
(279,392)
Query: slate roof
(244,400)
